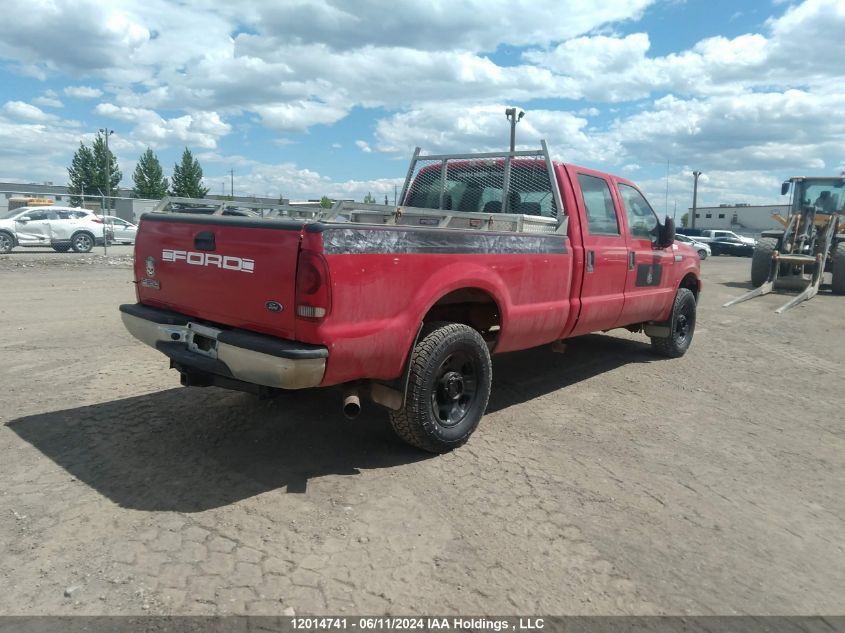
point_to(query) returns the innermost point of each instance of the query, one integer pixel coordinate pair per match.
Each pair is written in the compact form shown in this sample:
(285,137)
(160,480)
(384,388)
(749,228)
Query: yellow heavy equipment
(811,243)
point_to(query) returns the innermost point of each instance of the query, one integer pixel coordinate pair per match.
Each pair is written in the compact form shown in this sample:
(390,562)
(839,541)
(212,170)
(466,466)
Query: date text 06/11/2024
(416,623)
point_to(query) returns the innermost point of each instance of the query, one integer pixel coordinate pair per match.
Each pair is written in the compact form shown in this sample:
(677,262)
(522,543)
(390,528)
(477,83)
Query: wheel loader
(811,243)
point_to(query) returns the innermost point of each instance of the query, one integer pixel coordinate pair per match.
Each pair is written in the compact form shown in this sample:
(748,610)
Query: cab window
(598,204)
(642,222)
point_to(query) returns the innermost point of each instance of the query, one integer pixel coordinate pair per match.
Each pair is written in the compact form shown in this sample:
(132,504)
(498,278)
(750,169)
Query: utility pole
(514,118)
(232,188)
(107,133)
(695,174)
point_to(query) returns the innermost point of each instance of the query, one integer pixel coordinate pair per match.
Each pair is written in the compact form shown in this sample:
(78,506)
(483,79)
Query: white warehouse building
(744,219)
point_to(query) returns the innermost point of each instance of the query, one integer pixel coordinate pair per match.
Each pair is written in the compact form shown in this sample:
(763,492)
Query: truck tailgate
(233,271)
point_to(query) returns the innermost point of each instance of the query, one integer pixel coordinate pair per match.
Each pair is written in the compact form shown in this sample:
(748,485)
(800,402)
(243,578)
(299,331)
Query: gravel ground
(603,480)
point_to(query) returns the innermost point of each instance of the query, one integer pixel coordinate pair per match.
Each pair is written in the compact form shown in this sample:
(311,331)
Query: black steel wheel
(681,326)
(448,388)
(82,242)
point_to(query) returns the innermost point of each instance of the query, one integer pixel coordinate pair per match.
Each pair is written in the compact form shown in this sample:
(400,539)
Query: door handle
(591,261)
(631,258)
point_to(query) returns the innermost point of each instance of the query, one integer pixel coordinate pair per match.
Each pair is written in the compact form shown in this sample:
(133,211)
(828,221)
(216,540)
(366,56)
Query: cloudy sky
(311,97)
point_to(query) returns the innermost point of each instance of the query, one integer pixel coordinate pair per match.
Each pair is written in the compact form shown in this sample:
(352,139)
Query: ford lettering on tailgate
(227,262)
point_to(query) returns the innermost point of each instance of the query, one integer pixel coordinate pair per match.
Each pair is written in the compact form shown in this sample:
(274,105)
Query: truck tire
(761,260)
(838,269)
(82,242)
(7,242)
(681,326)
(448,388)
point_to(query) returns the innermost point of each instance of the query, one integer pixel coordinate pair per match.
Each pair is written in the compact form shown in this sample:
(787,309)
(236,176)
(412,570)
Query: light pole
(107,133)
(514,118)
(695,174)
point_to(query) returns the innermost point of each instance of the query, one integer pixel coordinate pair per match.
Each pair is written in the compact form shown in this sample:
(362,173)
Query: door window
(642,222)
(41,215)
(598,203)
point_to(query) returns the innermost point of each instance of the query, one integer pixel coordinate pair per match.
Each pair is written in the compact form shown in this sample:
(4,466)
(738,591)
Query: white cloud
(482,129)
(49,100)
(364,146)
(37,151)
(201,129)
(83,92)
(26,111)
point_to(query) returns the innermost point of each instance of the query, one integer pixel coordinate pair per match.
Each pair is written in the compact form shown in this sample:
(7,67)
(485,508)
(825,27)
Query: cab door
(36,228)
(649,281)
(605,255)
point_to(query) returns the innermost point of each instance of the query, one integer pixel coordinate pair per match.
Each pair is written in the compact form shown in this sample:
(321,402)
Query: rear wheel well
(472,307)
(690,281)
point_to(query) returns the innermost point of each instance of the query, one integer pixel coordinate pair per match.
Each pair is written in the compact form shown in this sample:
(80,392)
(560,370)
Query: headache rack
(493,191)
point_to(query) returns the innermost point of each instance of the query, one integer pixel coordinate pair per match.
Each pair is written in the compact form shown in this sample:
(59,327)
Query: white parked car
(63,228)
(701,248)
(120,231)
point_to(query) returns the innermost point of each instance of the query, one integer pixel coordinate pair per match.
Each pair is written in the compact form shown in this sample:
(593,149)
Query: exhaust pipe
(351,403)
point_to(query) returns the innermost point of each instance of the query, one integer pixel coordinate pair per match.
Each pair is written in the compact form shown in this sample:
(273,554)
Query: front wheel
(7,242)
(761,260)
(82,242)
(702,254)
(448,389)
(681,326)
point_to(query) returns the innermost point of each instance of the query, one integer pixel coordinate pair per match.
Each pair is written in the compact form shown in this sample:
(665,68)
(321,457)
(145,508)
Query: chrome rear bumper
(235,354)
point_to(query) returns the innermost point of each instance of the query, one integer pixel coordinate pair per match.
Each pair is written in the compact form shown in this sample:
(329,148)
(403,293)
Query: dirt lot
(603,480)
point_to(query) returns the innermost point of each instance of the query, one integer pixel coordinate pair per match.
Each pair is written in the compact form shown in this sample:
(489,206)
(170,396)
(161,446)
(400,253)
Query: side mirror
(666,236)
(784,188)
(24,219)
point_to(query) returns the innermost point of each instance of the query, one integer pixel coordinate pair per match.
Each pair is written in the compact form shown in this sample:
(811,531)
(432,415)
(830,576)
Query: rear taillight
(313,294)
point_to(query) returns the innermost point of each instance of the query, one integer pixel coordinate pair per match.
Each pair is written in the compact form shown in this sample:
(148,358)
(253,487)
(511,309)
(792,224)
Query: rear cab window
(477,187)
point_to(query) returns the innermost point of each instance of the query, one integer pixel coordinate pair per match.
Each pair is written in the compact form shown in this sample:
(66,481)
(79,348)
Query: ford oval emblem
(273,306)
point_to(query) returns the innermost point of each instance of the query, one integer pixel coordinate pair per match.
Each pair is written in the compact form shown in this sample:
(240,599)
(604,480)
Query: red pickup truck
(487,253)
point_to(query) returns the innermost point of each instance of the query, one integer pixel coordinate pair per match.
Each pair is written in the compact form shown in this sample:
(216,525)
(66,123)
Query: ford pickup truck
(486,253)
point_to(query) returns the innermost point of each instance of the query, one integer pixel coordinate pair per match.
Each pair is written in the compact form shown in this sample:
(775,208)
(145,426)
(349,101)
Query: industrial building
(125,206)
(744,219)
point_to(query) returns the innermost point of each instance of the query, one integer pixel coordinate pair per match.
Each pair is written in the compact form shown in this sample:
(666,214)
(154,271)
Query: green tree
(149,178)
(114,176)
(369,199)
(684,219)
(326,202)
(187,178)
(81,175)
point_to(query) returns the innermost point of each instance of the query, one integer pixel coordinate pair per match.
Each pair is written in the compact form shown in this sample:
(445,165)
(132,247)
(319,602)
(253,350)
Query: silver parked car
(62,228)
(701,248)
(120,231)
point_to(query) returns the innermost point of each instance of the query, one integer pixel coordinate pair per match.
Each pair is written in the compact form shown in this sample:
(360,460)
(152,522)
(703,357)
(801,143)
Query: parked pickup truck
(724,242)
(485,254)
